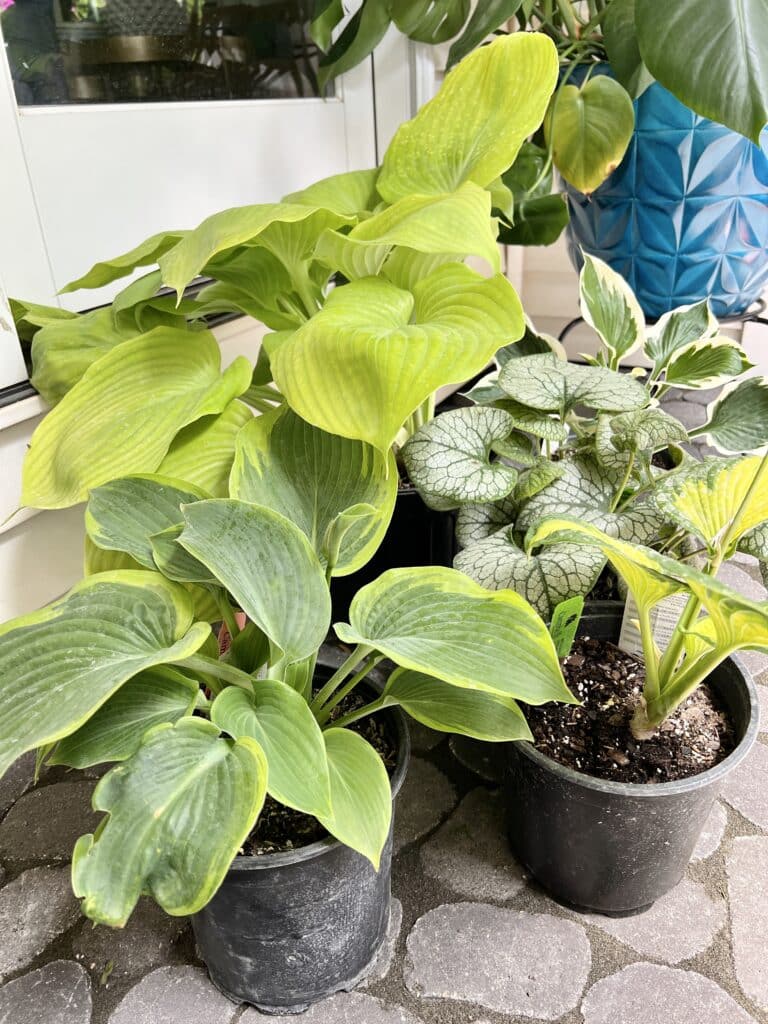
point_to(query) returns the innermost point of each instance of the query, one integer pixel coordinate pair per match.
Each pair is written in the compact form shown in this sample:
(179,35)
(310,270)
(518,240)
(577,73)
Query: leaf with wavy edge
(548,384)
(348,194)
(738,420)
(476,522)
(609,306)
(145,254)
(678,329)
(202,453)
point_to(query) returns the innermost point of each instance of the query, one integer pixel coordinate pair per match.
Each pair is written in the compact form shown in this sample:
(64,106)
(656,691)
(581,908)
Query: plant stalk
(359,654)
(324,713)
(218,669)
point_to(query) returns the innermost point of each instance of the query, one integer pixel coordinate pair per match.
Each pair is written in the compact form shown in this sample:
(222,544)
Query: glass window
(128,51)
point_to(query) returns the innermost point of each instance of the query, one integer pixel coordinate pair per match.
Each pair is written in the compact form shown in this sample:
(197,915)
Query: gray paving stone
(344,1008)
(712,833)
(762,696)
(470,852)
(59,993)
(754,661)
(533,965)
(425,799)
(746,788)
(146,942)
(651,994)
(747,867)
(174,995)
(387,951)
(16,781)
(690,414)
(699,397)
(679,926)
(44,825)
(736,576)
(34,909)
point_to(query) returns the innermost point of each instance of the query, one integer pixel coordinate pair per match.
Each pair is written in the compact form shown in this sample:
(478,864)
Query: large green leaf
(202,453)
(537,217)
(251,279)
(144,255)
(348,194)
(476,522)
(178,812)
(472,130)
(486,18)
(620,36)
(375,352)
(280,721)
(724,75)
(609,305)
(429,21)
(548,384)
(438,621)
(105,426)
(59,665)
(326,16)
(268,566)
(362,33)
(406,267)
(29,317)
(706,364)
(361,795)
(589,128)
(436,704)
(678,329)
(448,459)
(115,732)
(738,421)
(311,477)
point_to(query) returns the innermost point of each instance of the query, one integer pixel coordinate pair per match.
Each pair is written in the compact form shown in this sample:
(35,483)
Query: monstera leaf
(451,140)
(312,478)
(439,622)
(375,352)
(185,789)
(448,459)
(678,329)
(59,665)
(548,384)
(738,420)
(609,305)
(145,254)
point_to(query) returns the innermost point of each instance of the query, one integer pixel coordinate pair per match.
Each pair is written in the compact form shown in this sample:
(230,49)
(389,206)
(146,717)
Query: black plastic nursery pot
(286,930)
(609,847)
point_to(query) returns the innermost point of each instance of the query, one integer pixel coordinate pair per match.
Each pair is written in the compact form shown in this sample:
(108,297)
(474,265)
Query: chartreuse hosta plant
(719,503)
(121,671)
(552,438)
(360,277)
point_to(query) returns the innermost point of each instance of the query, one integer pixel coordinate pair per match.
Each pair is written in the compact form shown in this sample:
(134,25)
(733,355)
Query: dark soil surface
(595,738)
(280,828)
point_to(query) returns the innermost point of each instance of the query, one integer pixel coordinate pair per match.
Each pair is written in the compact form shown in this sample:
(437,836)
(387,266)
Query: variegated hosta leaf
(374,352)
(348,194)
(738,420)
(476,522)
(178,812)
(105,427)
(312,477)
(60,664)
(436,704)
(545,578)
(202,453)
(535,479)
(438,621)
(448,459)
(547,384)
(177,564)
(454,139)
(706,364)
(280,721)
(678,329)
(706,499)
(609,306)
(145,254)
(115,732)
(532,343)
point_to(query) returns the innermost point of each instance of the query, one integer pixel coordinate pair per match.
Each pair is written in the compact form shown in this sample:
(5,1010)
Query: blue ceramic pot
(685,216)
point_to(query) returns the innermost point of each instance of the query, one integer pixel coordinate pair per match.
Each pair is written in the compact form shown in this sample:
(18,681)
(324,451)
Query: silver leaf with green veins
(551,385)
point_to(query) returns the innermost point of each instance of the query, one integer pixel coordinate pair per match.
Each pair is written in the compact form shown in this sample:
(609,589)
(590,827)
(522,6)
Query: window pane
(128,51)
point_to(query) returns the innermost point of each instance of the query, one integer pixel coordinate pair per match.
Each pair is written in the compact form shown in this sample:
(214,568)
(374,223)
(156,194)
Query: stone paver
(59,993)
(747,867)
(425,799)
(690,414)
(34,909)
(345,1008)
(174,995)
(387,951)
(533,965)
(44,825)
(650,994)
(746,788)
(712,833)
(16,781)
(737,577)
(678,926)
(762,696)
(147,941)
(470,852)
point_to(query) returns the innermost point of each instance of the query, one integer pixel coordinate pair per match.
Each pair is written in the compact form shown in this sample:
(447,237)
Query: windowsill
(24,409)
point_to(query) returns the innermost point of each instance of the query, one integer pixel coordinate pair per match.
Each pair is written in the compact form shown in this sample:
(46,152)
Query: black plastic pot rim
(653,790)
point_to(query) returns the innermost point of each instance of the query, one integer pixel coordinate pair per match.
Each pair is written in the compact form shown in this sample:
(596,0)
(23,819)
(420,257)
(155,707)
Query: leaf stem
(324,713)
(226,611)
(359,654)
(369,709)
(622,486)
(218,669)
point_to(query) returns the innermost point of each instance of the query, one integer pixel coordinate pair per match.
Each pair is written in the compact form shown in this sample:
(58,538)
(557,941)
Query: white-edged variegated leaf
(202,453)
(738,420)
(476,522)
(609,306)
(60,664)
(440,622)
(311,477)
(145,254)
(449,458)
(678,329)
(454,709)
(547,384)
(115,732)
(280,721)
(178,812)
(268,566)
(706,364)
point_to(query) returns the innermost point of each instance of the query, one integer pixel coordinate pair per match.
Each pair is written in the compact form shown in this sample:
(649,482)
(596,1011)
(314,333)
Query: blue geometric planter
(685,215)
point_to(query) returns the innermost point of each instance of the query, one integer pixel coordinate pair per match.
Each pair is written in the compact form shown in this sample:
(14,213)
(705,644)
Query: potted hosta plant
(254,790)
(607,806)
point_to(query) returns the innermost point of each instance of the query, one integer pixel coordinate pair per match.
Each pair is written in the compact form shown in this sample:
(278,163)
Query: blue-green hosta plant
(551,438)
(123,671)
(719,504)
(360,277)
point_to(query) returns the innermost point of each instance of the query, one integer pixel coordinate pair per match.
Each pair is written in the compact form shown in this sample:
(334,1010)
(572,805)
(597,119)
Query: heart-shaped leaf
(535,479)
(311,477)
(609,306)
(638,433)
(347,194)
(538,221)
(738,421)
(185,789)
(618,24)
(438,621)
(280,721)
(145,254)
(60,664)
(202,453)
(476,522)
(548,384)
(706,364)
